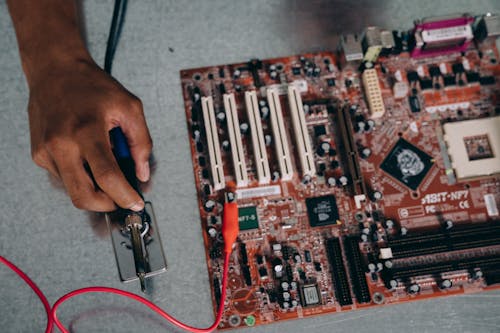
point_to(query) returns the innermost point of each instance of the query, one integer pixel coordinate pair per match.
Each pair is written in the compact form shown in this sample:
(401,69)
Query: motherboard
(365,176)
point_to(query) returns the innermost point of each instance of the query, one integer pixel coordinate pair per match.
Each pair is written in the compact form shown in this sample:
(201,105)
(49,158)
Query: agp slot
(337,269)
(306,155)
(259,147)
(279,133)
(350,150)
(207,105)
(233,126)
(356,268)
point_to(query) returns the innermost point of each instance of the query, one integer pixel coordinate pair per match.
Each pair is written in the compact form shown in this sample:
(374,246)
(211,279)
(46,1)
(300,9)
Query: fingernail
(138,206)
(145,172)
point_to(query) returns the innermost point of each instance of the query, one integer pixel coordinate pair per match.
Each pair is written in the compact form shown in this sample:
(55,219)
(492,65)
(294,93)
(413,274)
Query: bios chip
(322,210)
(247,218)
(407,163)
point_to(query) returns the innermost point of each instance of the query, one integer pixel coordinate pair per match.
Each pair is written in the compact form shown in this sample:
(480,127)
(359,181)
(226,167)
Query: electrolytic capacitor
(331,181)
(226,145)
(273,75)
(221,117)
(264,112)
(377,195)
(268,139)
(343,180)
(236,73)
(212,232)
(366,152)
(323,149)
(209,205)
(244,128)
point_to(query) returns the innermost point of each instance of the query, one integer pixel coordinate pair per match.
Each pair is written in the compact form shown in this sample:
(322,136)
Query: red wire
(35,288)
(52,316)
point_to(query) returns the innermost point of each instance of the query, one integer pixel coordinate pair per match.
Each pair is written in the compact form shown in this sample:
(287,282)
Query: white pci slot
(214,153)
(279,133)
(233,126)
(259,147)
(305,152)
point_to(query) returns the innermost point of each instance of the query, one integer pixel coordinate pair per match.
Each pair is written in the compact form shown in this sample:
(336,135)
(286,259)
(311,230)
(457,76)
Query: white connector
(279,133)
(373,93)
(237,152)
(259,146)
(306,155)
(214,153)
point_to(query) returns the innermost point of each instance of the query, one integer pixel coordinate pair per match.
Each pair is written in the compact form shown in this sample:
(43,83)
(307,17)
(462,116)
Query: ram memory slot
(258,143)
(279,133)
(306,154)
(339,274)
(357,270)
(237,152)
(214,153)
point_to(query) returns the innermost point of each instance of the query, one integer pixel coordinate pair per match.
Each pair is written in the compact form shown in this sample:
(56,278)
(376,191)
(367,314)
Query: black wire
(115,30)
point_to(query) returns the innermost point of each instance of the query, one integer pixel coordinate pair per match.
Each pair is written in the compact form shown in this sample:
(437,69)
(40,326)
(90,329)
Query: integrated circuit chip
(247,217)
(322,210)
(309,295)
(407,163)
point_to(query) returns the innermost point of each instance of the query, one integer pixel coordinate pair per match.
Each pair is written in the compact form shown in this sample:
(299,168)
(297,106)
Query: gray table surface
(64,249)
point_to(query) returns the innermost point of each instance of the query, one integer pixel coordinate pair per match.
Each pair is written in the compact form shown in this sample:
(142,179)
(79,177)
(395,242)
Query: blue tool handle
(124,158)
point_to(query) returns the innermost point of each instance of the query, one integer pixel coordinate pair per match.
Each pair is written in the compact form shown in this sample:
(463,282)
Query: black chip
(322,210)
(330,82)
(296,70)
(472,77)
(414,103)
(425,84)
(487,80)
(319,130)
(434,71)
(412,76)
(449,80)
(407,163)
(457,68)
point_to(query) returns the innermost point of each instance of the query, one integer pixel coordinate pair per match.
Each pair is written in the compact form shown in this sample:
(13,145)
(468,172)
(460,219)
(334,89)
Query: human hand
(72,107)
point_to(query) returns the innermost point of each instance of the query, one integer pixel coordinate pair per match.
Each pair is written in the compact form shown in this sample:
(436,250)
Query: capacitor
(262,103)
(244,128)
(388,264)
(393,284)
(225,145)
(377,195)
(278,268)
(297,258)
(293,285)
(317,71)
(284,286)
(212,232)
(236,73)
(343,180)
(221,117)
(273,75)
(366,152)
(286,305)
(404,231)
(264,112)
(268,139)
(276,176)
(306,108)
(196,135)
(372,267)
(389,224)
(368,64)
(448,224)
(209,205)
(380,266)
(196,97)
(306,179)
(370,125)
(414,288)
(323,148)
(366,231)
(294,303)
(309,71)
(364,238)
(445,284)
(360,127)
(272,68)
(331,181)
(286,296)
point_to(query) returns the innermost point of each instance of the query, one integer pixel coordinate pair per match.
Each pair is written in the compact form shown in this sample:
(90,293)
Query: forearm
(48,34)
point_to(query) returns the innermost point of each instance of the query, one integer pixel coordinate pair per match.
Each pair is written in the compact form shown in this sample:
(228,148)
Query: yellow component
(373,93)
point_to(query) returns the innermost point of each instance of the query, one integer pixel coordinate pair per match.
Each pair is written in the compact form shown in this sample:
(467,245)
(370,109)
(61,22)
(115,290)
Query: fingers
(140,143)
(109,177)
(79,186)
(43,159)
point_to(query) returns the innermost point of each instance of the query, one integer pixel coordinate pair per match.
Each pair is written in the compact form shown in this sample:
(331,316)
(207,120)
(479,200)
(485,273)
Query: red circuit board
(369,209)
